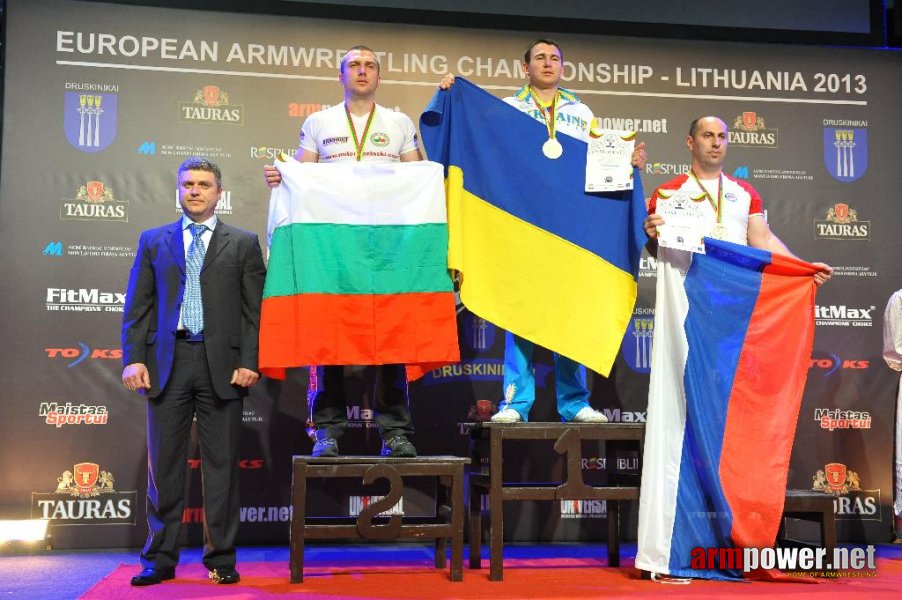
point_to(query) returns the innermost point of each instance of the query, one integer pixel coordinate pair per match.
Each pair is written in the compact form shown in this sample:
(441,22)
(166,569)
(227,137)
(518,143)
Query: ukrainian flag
(537,255)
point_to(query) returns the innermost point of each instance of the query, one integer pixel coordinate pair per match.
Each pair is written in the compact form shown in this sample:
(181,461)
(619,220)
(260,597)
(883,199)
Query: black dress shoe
(153,576)
(225,575)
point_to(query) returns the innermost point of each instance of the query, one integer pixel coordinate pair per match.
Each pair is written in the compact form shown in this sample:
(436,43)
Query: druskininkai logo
(89,118)
(846,152)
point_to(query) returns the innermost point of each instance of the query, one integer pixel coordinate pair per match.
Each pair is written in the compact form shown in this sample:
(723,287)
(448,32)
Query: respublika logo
(223,207)
(59,415)
(637,341)
(660,168)
(845,149)
(94,201)
(84,300)
(841,315)
(749,130)
(83,352)
(270,152)
(211,104)
(850,501)
(584,509)
(89,115)
(842,223)
(85,496)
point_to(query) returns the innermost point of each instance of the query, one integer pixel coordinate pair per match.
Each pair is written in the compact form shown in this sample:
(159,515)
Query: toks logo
(85,496)
(831,363)
(82,353)
(849,500)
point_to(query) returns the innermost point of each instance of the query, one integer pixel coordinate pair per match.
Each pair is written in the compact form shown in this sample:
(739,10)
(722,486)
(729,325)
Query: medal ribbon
(550,123)
(715,206)
(359,144)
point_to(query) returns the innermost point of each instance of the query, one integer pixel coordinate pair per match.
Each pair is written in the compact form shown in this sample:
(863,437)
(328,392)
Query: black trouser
(328,407)
(189,394)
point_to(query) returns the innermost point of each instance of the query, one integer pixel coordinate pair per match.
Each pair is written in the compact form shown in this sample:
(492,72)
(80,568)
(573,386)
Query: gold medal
(552,148)
(718,232)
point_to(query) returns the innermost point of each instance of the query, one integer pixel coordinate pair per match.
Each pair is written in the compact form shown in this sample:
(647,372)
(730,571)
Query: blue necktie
(192,307)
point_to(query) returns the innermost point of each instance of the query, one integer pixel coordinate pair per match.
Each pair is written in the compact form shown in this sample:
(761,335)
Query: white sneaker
(587,414)
(507,415)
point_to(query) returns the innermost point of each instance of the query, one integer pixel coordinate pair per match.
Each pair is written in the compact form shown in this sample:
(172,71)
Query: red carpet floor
(557,578)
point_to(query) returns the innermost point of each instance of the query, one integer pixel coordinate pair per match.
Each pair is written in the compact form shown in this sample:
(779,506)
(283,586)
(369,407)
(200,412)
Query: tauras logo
(93,201)
(211,104)
(850,501)
(85,496)
(842,223)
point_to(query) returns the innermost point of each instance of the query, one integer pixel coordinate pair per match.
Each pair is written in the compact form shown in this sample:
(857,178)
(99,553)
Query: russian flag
(733,335)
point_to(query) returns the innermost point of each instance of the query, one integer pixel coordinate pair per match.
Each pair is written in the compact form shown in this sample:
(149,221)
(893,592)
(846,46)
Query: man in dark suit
(189,343)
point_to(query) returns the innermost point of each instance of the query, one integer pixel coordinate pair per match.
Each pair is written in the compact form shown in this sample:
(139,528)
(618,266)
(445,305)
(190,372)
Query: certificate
(608,159)
(685,222)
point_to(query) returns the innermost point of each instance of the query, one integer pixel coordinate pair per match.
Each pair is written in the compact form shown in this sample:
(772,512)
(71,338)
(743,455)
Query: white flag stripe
(358,193)
(666,415)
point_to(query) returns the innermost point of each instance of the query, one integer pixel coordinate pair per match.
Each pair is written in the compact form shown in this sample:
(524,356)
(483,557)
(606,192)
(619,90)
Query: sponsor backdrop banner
(104,101)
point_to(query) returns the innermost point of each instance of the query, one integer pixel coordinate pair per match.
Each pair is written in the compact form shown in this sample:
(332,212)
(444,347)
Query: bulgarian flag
(358,268)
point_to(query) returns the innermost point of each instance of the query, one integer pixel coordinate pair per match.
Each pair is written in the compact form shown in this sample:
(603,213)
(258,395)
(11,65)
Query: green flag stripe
(325,258)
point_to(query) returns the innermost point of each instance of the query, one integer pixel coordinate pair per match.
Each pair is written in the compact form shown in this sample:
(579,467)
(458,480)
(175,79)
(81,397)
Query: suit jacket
(231,282)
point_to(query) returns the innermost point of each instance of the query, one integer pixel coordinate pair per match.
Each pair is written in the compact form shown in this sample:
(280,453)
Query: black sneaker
(325,446)
(398,447)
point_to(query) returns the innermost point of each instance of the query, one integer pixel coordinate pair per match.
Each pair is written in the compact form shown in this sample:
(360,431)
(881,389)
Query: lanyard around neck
(549,119)
(716,206)
(359,144)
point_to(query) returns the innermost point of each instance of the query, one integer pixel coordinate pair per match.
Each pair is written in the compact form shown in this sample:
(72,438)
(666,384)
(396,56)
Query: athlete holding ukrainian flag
(561,112)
